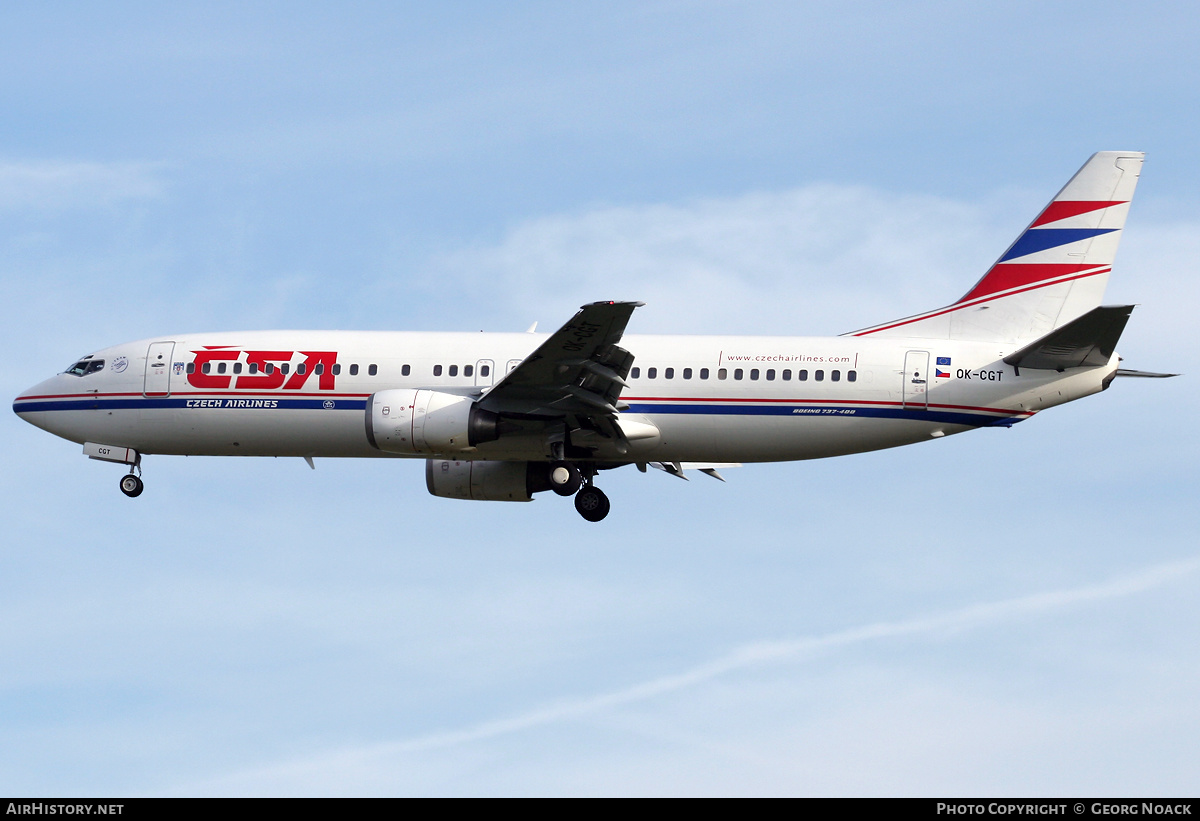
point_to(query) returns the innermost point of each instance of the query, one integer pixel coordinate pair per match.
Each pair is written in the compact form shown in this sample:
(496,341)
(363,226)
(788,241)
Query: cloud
(817,260)
(71,185)
(363,765)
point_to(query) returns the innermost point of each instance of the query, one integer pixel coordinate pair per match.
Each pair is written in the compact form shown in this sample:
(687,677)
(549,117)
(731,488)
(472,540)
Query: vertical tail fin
(1055,272)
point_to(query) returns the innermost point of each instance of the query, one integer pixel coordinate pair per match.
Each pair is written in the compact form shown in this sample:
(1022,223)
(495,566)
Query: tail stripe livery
(1045,239)
(1061,209)
(1016,275)
(1054,272)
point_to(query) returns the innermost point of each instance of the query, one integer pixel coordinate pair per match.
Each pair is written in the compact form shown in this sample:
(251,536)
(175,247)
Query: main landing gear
(132,485)
(591,503)
(568,480)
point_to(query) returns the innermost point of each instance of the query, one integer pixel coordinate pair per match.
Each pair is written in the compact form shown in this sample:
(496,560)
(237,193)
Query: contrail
(747,656)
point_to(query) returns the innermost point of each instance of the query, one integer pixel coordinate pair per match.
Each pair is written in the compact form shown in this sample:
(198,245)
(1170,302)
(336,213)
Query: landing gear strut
(132,485)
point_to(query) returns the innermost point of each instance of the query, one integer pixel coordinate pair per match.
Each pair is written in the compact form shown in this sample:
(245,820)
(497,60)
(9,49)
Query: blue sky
(1008,612)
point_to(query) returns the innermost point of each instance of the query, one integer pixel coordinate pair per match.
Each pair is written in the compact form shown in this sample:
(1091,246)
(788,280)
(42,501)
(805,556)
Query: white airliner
(504,416)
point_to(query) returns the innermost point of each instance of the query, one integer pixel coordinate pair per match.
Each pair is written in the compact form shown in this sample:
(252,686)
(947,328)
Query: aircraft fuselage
(712,398)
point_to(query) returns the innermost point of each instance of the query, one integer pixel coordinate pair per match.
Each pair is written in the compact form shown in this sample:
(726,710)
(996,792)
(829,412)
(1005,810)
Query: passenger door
(158,369)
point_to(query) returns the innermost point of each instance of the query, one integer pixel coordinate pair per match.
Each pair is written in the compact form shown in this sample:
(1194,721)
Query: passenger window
(221,367)
(704,373)
(270,368)
(284,368)
(669,373)
(253,367)
(819,375)
(723,373)
(302,368)
(786,375)
(484,370)
(319,368)
(636,373)
(737,373)
(337,369)
(237,367)
(851,376)
(754,373)
(835,376)
(354,370)
(437,370)
(191,367)
(206,367)
(453,370)
(770,374)
(468,370)
(405,370)
(802,376)
(372,370)
(687,373)
(651,373)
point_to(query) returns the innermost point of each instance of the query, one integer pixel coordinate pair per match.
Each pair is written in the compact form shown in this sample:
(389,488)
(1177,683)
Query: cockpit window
(85,366)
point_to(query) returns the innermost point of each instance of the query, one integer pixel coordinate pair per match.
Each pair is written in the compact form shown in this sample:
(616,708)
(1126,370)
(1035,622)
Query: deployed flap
(707,468)
(578,370)
(1086,342)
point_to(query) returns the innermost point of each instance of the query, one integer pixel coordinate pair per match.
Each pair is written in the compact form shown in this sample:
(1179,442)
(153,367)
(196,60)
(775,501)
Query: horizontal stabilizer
(1086,342)
(1144,374)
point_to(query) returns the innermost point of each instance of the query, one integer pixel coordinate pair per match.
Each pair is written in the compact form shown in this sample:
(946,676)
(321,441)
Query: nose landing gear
(132,485)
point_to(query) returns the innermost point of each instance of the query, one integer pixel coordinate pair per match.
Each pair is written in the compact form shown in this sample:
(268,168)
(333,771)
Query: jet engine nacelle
(485,481)
(423,421)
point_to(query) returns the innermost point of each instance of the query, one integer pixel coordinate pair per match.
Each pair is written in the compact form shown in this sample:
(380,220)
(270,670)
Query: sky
(1007,612)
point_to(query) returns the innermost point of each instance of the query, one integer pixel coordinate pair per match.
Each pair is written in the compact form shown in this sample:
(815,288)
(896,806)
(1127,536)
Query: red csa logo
(269,377)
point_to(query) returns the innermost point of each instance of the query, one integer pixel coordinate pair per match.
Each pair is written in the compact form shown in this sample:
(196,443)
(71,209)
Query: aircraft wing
(578,371)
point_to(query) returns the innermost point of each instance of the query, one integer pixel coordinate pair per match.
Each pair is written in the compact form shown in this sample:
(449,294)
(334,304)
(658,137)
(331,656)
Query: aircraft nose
(34,404)
(28,396)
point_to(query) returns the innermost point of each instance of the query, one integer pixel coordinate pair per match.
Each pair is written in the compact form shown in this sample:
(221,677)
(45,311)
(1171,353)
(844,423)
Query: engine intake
(423,421)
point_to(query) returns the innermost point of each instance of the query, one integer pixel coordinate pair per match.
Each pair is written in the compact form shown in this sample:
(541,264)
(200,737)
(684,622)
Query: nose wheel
(132,485)
(591,503)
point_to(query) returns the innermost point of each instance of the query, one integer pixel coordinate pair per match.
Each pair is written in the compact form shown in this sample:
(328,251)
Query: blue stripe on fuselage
(973,419)
(831,412)
(190,403)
